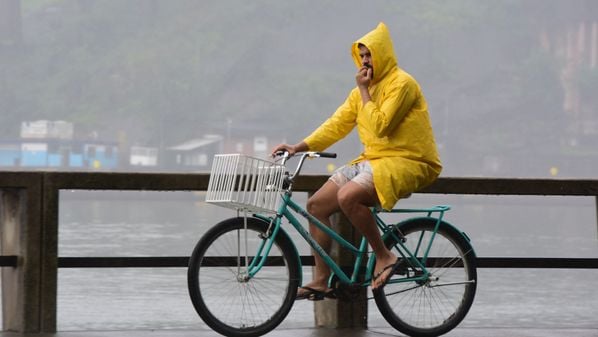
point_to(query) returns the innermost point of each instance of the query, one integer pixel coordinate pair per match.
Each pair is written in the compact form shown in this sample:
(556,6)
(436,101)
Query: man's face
(366,56)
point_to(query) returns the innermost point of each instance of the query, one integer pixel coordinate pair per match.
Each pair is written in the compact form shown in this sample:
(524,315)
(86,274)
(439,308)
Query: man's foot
(383,275)
(314,294)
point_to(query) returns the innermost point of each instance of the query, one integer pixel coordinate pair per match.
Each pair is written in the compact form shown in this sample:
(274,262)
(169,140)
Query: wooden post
(49,258)
(20,235)
(343,313)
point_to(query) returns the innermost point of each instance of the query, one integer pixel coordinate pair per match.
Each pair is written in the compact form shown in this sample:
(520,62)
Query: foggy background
(511,85)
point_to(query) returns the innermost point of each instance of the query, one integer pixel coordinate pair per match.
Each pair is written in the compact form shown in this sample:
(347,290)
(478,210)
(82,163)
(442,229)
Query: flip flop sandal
(312,294)
(394,269)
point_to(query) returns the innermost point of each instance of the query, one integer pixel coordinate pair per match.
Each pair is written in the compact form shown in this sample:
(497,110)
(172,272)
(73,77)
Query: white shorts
(359,173)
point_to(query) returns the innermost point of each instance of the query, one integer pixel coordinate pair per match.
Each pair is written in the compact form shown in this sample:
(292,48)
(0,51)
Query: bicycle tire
(436,306)
(227,303)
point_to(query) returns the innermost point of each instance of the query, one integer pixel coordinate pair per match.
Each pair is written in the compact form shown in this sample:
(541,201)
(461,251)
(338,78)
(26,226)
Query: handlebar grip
(327,154)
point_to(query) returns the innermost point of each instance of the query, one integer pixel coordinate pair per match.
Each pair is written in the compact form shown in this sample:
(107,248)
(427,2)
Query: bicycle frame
(432,255)
(287,205)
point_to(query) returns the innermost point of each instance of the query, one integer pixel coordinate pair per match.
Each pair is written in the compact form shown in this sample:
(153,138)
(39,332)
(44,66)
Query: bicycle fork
(252,265)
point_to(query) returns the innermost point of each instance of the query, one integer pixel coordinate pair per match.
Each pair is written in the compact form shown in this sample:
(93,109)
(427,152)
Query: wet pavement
(326,332)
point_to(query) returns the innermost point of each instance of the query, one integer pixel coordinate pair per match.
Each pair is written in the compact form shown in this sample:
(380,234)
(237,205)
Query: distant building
(260,147)
(143,156)
(194,154)
(47,129)
(58,153)
(50,144)
(10,153)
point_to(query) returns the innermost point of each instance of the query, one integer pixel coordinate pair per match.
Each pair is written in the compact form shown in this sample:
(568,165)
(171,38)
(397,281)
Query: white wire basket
(245,183)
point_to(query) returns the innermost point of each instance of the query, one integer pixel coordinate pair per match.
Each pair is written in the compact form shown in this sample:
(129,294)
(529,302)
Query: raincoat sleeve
(334,128)
(386,115)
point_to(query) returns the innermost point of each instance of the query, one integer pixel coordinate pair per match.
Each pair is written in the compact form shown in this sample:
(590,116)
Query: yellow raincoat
(394,126)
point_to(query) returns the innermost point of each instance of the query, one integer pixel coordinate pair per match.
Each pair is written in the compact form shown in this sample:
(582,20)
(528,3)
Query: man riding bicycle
(399,157)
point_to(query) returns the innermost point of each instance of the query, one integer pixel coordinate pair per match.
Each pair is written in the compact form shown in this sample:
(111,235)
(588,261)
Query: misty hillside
(506,81)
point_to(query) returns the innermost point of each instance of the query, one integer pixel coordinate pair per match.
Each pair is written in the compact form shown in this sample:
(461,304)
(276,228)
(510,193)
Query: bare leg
(322,205)
(354,200)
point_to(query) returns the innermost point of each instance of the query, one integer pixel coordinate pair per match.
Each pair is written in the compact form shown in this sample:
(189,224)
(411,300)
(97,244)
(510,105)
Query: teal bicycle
(244,272)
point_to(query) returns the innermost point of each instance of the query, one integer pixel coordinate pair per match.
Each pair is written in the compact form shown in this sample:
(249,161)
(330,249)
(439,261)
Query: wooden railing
(29,203)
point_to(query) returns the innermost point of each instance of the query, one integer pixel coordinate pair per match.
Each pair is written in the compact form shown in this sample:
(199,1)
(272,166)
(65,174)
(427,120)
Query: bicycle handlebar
(309,154)
(326,154)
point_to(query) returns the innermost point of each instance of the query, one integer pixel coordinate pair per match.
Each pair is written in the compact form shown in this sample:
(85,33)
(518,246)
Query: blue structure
(10,153)
(59,153)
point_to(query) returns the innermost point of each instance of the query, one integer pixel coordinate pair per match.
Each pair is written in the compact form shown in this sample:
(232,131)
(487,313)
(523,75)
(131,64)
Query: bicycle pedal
(402,269)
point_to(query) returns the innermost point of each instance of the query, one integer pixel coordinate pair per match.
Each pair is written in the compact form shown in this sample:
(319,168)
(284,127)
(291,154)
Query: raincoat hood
(379,43)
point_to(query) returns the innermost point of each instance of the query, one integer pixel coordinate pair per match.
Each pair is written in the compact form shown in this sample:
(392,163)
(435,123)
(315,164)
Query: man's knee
(349,198)
(346,201)
(316,207)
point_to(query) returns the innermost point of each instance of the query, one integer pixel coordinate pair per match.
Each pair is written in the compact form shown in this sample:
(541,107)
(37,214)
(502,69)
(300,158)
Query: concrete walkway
(324,332)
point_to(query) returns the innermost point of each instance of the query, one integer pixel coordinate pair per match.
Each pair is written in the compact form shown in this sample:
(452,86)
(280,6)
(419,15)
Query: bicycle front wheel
(438,303)
(229,300)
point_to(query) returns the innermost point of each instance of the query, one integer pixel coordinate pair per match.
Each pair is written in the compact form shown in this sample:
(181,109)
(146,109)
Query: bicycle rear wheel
(229,301)
(438,304)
